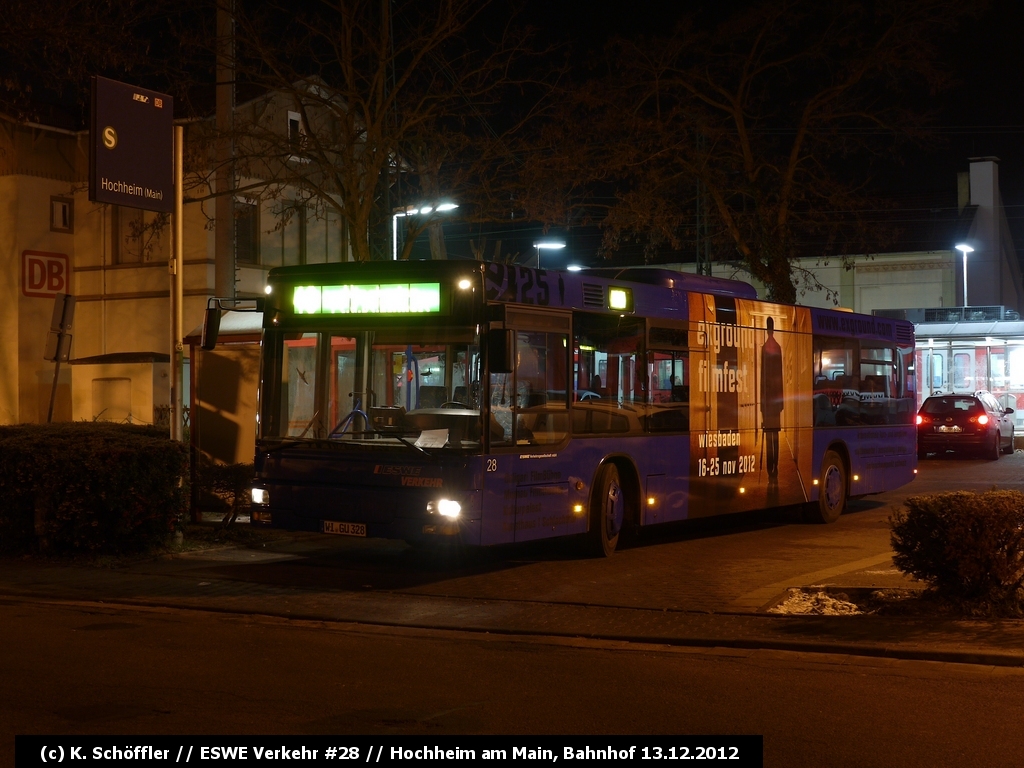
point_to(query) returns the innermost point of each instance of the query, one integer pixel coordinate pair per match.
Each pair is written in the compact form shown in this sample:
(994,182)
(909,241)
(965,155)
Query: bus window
(879,384)
(530,405)
(298,385)
(670,392)
(877,372)
(343,383)
(611,376)
(836,398)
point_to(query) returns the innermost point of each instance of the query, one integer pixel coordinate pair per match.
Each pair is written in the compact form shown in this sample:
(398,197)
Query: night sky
(982,116)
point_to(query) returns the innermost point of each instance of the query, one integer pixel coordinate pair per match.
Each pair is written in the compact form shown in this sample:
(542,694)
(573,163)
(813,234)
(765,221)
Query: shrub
(968,547)
(228,486)
(89,487)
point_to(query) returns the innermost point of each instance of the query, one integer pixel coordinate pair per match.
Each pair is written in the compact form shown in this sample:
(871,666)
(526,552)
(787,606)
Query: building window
(247,234)
(62,215)
(296,135)
(138,236)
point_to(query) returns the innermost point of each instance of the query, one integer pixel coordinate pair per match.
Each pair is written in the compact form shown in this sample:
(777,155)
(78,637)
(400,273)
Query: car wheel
(1009,448)
(607,511)
(831,490)
(996,448)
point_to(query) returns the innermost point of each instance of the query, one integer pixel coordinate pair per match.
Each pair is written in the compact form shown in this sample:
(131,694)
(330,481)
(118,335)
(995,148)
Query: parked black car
(974,423)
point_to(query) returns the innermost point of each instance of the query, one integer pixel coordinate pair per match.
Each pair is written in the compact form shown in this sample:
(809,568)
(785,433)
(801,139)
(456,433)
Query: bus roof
(670,278)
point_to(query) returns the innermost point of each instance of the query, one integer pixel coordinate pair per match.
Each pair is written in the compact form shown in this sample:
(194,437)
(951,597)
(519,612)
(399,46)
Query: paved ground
(705,585)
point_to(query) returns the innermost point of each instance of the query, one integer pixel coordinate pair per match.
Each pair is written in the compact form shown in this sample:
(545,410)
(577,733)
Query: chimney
(963,191)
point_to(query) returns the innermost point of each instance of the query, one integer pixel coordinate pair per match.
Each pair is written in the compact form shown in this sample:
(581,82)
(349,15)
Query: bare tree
(772,119)
(365,107)
(50,48)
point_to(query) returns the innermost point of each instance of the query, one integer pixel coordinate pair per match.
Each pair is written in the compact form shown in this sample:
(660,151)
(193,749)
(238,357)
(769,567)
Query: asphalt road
(739,563)
(69,669)
(74,666)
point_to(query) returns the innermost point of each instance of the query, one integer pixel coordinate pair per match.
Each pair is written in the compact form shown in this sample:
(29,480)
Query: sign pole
(176,290)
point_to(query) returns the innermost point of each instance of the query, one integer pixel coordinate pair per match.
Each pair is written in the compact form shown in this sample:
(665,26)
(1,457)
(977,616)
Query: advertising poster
(750,405)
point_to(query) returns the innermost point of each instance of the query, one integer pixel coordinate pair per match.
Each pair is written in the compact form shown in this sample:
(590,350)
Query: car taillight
(983,419)
(920,419)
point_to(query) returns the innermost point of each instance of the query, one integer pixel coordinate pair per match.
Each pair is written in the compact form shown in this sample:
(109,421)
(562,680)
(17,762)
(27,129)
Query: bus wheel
(832,489)
(607,511)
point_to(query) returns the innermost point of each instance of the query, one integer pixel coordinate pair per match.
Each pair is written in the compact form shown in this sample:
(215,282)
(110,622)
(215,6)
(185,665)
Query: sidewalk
(181,581)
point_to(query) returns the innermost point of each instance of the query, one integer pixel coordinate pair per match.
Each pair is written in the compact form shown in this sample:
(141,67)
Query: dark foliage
(89,487)
(968,547)
(226,487)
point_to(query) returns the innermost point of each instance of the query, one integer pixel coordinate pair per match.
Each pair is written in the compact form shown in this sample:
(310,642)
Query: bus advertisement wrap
(750,407)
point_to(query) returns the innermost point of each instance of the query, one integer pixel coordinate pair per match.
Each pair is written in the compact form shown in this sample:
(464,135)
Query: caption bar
(393,751)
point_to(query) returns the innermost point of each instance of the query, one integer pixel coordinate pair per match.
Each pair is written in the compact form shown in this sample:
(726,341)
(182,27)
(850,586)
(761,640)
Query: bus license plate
(344,529)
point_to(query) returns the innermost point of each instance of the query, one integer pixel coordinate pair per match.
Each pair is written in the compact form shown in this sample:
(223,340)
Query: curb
(710,641)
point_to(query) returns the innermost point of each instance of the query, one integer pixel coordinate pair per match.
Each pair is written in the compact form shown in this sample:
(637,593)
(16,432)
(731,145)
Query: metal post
(176,289)
(224,152)
(966,303)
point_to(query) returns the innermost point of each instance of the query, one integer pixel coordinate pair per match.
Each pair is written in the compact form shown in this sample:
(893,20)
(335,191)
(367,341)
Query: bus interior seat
(535,399)
(824,413)
(874,383)
(461,395)
(432,397)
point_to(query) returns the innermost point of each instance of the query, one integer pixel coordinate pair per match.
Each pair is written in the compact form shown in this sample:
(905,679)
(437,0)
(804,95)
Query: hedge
(968,547)
(93,487)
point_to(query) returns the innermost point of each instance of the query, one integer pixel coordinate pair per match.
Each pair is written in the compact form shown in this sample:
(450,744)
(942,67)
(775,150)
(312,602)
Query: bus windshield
(422,388)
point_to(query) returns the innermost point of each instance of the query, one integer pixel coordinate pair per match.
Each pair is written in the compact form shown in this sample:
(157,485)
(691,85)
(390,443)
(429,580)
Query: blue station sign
(131,148)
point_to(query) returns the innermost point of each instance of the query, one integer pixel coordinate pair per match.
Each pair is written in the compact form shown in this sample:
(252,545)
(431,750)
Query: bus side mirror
(211,327)
(501,346)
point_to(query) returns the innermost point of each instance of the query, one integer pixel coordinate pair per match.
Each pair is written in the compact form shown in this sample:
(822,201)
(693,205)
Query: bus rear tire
(607,511)
(832,490)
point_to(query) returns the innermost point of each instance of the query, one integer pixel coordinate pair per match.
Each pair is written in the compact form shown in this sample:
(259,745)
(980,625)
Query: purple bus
(484,403)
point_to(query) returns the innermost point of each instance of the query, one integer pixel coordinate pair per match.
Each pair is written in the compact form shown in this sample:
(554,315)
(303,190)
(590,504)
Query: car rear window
(942,406)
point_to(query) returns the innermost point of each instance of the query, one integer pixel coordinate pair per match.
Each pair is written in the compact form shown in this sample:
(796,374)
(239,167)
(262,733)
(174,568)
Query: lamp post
(551,245)
(414,210)
(964,249)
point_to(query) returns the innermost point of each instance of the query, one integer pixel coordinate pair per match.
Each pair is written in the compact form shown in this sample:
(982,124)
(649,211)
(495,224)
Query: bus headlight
(445,508)
(260,496)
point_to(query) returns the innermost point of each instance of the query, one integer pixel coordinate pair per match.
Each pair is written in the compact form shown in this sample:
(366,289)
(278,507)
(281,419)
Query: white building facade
(114,260)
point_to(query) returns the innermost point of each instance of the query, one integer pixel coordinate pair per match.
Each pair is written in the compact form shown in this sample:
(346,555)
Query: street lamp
(414,210)
(551,245)
(964,249)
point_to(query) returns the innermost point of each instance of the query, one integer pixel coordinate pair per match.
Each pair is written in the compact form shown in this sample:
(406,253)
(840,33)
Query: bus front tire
(832,490)
(607,512)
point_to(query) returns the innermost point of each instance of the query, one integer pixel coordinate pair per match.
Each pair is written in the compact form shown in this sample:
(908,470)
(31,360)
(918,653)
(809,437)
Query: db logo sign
(44,274)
